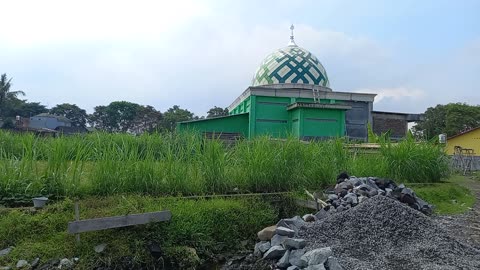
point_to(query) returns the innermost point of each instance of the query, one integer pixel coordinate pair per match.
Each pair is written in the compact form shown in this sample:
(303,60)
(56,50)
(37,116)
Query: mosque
(290,95)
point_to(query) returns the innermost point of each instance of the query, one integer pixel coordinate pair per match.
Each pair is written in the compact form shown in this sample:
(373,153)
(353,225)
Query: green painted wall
(271,116)
(231,124)
(322,122)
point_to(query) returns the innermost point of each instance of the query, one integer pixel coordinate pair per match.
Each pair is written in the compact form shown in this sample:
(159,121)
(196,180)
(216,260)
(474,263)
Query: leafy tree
(6,95)
(77,115)
(123,116)
(174,115)
(216,112)
(450,119)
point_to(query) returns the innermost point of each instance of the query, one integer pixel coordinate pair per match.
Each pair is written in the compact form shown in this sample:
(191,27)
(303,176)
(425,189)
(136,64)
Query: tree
(6,95)
(123,116)
(450,119)
(77,115)
(216,112)
(174,115)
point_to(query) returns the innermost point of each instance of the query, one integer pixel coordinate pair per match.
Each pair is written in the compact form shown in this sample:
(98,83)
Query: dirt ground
(466,226)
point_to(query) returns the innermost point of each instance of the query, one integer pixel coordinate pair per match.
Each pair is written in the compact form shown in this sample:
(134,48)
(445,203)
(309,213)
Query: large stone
(277,240)
(352,197)
(267,233)
(65,264)
(35,262)
(294,243)
(321,214)
(5,251)
(332,197)
(295,258)
(332,264)
(22,264)
(309,218)
(291,223)
(5,268)
(317,256)
(261,247)
(293,267)
(283,231)
(283,262)
(316,267)
(100,248)
(274,252)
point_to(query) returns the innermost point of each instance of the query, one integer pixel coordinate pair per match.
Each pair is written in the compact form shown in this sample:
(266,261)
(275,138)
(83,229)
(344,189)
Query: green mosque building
(290,95)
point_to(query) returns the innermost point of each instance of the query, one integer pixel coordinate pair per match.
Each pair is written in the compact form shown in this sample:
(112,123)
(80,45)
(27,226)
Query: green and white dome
(291,64)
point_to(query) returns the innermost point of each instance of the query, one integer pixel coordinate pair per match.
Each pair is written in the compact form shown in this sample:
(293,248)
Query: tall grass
(187,164)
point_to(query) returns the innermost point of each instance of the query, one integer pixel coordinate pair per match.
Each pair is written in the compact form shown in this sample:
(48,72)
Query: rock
(22,264)
(352,197)
(295,258)
(317,256)
(332,197)
(100,248)
(291,223)
(283,262)
(267,233)
(6,251)
(5,268)
(321,214)
(277,240)
(332,264)
(293,267)
(316,267)
(341,208)
(274,252)
(65,264)
(283,231)
(261,247)
(309,218)
(35,262)
(362,199)
(294,243)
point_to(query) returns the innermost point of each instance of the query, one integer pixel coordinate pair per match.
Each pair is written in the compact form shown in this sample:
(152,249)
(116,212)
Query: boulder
(295,258)
(294,243)
(274,252)
(5,251)
(267,233)
(291,223)
(5,268)
(316,267)
(22,264)
(317,256)
(321,214)
(332,264)
(261,247)
(309,218)
(293,267)
(65,264)
(332,197)
(35,262)
(277,240)
(362,199)
(283,231)
(352,197)
(283,262)
(100,248)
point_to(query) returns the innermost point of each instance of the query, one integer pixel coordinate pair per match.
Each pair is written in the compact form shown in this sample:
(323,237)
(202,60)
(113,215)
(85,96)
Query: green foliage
(216,112)
(448,198)
(208,226)
(451,119)
(74,113)
(174,115)
(186,163)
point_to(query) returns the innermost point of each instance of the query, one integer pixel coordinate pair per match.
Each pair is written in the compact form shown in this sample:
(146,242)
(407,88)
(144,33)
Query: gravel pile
(383,233)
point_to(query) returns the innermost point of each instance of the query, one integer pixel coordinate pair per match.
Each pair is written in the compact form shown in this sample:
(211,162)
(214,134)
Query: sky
(200,54)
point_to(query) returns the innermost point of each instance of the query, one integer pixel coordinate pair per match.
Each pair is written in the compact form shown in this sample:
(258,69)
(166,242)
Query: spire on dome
(292,41)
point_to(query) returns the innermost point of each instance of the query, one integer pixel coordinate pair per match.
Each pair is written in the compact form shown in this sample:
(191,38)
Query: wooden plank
(97,224)
(307,204)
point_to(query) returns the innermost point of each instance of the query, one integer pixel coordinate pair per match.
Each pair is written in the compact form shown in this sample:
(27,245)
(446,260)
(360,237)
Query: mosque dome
(291,64)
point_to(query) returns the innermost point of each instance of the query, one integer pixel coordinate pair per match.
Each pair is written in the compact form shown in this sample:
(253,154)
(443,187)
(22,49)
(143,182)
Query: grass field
(187,164)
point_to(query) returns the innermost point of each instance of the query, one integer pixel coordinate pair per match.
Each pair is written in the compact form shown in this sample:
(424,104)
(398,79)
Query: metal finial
(292,41)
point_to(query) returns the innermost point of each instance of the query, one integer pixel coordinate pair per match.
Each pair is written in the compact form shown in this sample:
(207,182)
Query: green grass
(187,164)
(210,226)
(450,197)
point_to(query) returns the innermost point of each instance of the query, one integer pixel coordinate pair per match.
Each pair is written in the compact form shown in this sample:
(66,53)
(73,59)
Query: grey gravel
(383,233)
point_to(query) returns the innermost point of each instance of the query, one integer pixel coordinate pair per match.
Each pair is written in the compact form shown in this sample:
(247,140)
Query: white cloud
(396,94)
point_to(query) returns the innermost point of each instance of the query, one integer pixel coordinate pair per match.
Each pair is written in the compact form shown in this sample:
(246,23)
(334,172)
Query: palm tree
(5,93)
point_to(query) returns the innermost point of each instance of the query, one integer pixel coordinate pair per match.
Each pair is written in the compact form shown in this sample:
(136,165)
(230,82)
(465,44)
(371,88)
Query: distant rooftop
(59,117)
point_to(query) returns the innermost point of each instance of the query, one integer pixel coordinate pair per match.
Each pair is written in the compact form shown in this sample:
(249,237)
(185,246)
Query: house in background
(469,139)
(48,121)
